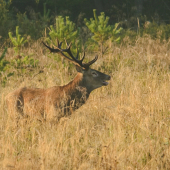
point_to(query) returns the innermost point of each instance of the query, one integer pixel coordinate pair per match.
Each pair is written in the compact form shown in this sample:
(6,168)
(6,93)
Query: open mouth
(105,83)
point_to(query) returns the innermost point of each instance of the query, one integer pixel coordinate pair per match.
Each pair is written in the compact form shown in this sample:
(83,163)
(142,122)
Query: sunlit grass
(122,126)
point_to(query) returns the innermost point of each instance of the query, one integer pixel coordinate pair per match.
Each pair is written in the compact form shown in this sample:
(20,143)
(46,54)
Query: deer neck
(77,86)
(76,93)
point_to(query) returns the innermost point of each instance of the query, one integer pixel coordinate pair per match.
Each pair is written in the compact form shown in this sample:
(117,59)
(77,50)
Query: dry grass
(122,126)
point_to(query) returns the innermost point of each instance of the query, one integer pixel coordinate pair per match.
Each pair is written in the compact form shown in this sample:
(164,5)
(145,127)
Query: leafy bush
(64,29)
(17,65)
(156,31)
(3,62)
(20,63)
(24,62)
(45,18)
(34,23)
(17,41)
(4,65)
(101,30)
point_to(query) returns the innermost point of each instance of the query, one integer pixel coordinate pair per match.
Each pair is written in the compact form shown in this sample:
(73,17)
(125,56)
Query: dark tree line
(152,10)
(35,16)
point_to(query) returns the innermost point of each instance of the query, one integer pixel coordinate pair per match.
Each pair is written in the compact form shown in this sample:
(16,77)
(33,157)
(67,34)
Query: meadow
(122,126)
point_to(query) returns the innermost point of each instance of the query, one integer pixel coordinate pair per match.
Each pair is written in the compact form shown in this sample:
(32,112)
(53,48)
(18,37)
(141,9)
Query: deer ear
(79,69)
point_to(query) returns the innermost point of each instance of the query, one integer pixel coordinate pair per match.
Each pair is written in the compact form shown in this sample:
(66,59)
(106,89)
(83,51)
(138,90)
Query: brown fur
(56,101)
(35,101)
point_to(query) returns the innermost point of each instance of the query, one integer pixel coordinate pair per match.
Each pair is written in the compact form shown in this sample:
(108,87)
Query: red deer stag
(64,99)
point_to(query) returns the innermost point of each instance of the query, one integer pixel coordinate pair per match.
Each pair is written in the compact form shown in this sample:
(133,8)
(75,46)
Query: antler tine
(71,55)
(76,58)
(83,56)
(60,51)
(68,51)
(87,65)
(51,49)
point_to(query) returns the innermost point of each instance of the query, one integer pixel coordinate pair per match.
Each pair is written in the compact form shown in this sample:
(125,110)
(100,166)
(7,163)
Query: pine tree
(101,30)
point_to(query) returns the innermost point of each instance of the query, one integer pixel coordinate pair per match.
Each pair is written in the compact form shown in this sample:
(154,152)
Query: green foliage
(5,22)
(4,65)
(115,32)
(23,66)
(29,61)
(34,29)
(45,18)
(3,54)
(32,23)
(17,41)
(101,30)
(4,10)
(157,31)
(64,29)
(19,66)
(99,27)
(128,36)
(3,62)
(24,63)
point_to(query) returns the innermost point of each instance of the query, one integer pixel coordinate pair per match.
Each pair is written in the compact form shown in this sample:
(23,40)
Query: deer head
(91,78)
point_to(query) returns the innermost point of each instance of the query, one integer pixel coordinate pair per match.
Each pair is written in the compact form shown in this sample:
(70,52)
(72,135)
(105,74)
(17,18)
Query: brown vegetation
(122,126)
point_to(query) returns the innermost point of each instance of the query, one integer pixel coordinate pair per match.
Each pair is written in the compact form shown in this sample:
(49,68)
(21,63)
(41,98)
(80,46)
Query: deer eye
(94,74)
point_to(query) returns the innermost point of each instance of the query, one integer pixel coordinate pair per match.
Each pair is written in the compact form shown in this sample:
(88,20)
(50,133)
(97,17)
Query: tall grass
(122,126)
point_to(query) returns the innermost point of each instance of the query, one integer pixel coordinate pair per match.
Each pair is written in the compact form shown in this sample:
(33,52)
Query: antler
(68,51)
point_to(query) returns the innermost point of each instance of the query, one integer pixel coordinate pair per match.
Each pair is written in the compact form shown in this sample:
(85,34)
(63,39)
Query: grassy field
(122,126)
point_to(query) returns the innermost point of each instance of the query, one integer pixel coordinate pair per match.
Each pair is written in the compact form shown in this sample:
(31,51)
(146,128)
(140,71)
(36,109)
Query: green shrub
(3,62)
(17,41)
(156,31)
(64,29)
(101,30)
(19,66)
(4,66)
(45,18)
(24,62)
